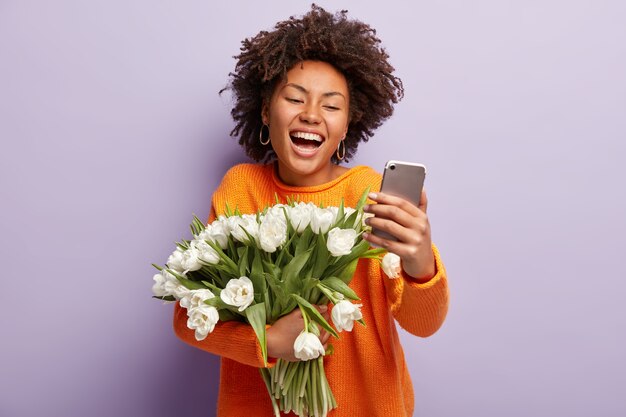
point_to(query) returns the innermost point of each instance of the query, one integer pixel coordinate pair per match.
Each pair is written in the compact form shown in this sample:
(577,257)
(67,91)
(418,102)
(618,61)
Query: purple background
(113,135)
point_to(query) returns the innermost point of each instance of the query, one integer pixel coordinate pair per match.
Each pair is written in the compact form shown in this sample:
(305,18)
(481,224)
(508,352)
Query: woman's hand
(409,224)
(283,333)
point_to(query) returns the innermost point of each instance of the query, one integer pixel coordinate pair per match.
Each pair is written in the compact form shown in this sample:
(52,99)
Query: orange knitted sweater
(367,371)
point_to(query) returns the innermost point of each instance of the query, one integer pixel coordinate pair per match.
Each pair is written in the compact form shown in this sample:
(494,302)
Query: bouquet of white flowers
(258,267)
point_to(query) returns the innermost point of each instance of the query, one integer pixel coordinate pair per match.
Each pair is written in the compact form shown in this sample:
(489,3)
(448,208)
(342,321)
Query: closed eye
(293,100)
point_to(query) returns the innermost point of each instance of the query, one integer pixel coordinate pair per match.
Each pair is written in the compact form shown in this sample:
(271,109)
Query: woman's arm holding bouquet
(419,301)
(232,339)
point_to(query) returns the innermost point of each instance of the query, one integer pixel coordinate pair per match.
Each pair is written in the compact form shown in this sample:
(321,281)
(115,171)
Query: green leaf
(232,250)
(285,260)
(268,301)
(257,276)
(160,268)
(309,283)
(347,272)
(374,253)
(243,261)
(362,200)
(340,214)
(165,298)
(196,226)
(360,248)
(351,222)
(212,274)
(277,311)
(314,314)
(322,256)
(189,284)
(227,315)
(256,317)
(357,251)
(291,272)
(279,299)
(226,263)
(217,302)
(340,286)
(251,241)
(214,288)
(304,243)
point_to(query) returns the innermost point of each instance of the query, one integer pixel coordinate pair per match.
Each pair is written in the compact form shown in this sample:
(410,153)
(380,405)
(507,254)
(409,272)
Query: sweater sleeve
(419,308)
(231,339)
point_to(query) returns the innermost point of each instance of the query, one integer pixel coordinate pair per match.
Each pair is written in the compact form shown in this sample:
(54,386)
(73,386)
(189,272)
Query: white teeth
(307,136)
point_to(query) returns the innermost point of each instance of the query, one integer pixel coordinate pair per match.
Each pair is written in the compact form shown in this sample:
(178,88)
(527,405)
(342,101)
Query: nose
(310,114)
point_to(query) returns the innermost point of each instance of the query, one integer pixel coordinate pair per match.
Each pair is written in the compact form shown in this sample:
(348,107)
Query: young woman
(306,94)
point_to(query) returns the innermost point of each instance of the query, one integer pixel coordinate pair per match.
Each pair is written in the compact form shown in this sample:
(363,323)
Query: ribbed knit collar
(272,171)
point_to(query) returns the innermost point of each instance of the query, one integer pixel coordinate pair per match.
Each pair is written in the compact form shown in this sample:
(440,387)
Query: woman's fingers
(397,209)
(423,201)
(398,217)
(401,203)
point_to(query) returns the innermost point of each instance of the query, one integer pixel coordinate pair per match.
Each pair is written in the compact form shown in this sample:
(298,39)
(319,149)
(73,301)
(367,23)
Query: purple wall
(113,134)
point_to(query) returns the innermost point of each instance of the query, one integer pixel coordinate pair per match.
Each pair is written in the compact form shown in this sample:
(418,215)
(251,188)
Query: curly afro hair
(350,46)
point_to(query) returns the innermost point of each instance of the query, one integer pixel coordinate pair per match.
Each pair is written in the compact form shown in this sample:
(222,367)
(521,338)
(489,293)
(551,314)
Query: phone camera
(392,167)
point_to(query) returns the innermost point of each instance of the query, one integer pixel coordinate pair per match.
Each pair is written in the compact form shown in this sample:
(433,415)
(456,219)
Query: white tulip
(195,298)
(166,284)
(158,289)
(191,259)
(272,232)
(391,265)
(322,219)
(307,346)
(279,211)
(238,292)
(300,216)
(206,252)
(344,313)
(202,319)
(175,260)
(341,241)
(216,232)
(237,224)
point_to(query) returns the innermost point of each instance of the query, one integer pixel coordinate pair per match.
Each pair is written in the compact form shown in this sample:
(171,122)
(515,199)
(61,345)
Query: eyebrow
(304,90)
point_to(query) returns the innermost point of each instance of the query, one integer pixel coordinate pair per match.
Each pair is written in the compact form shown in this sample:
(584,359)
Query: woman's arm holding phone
(410,226)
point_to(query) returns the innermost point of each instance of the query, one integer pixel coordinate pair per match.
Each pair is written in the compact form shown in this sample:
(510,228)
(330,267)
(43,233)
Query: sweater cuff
(439,273)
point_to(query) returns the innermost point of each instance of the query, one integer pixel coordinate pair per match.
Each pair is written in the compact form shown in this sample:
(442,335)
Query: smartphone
(402,179)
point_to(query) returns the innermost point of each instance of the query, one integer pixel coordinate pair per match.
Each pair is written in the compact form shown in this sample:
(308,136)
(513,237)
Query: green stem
(314,390)
(305,377)
(324,388)
(281,377)
(306,319)
(293,368)
(266,378)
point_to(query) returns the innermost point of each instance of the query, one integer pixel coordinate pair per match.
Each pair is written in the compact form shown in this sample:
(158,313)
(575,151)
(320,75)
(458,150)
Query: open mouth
(306,141)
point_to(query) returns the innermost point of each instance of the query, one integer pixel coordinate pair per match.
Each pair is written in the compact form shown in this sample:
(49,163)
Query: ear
(265,113)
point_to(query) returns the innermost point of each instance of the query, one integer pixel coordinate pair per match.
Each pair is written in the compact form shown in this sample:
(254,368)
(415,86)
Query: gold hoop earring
(341,146)
(261,135)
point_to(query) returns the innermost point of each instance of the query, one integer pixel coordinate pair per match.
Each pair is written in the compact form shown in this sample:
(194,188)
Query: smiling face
(308,117)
